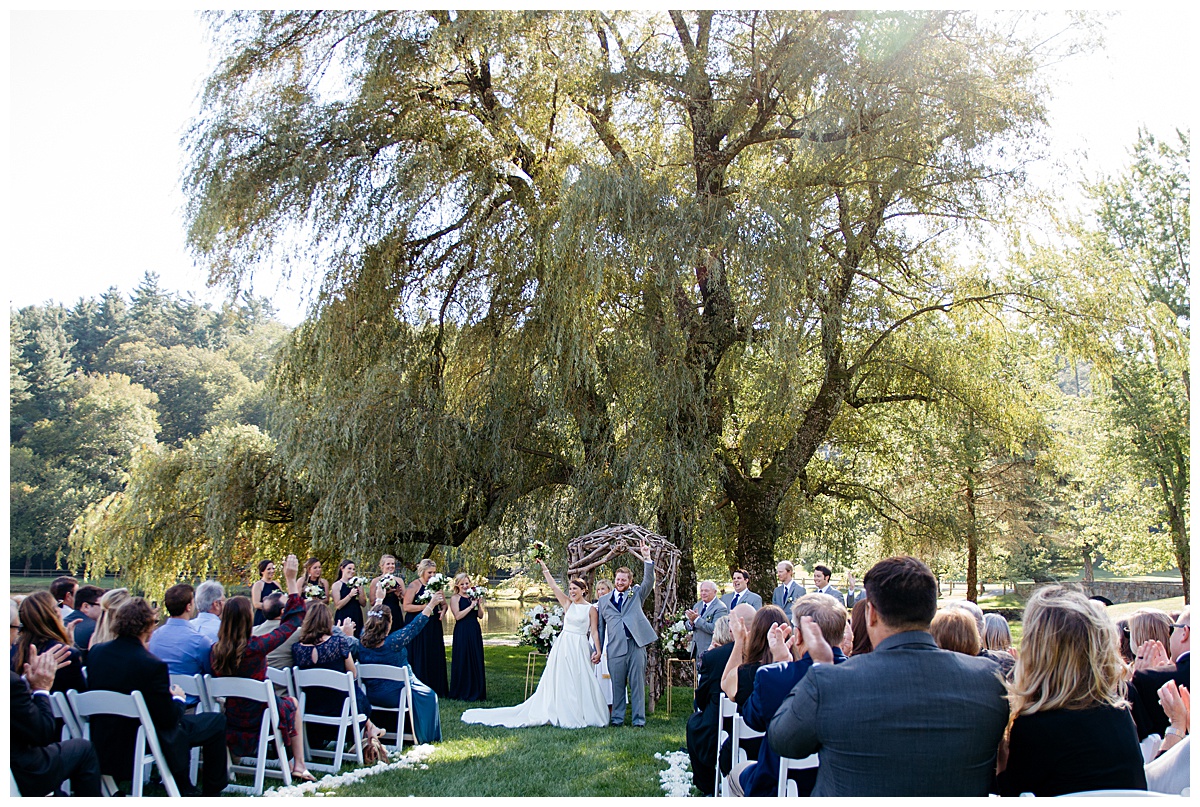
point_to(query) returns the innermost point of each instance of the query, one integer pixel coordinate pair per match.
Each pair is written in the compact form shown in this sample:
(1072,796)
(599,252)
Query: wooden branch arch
(587,553)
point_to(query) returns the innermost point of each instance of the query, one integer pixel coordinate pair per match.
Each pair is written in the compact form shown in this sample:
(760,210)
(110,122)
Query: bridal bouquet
(538,550)
(388,582)
(477,592)
(540,626)
(359,583)
(314,592)
(436,582)
(674,639)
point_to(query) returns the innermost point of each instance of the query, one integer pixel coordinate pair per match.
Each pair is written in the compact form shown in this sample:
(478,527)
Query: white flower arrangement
(676,780)
(538,550)
(436,582)
(674,639)
(388,582)
(540,627)
(414,759)
(359,582)
(312,591)
(477,592)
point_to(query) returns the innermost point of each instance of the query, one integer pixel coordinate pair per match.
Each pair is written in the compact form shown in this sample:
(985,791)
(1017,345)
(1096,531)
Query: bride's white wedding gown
(568,694)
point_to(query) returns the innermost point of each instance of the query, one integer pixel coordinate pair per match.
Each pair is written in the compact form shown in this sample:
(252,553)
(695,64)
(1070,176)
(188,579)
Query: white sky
(98,102)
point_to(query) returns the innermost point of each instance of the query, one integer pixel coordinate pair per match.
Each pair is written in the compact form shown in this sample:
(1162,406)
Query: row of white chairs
(741,732)
(76,709)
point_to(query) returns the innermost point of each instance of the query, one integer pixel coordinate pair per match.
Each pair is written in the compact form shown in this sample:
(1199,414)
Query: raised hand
(777,641)
(40,669)
(177,691)
(738,626)
(818,649)
(437,599)
(70,626)
(291,569)
(1153,656)
(1176,702)
(348,626)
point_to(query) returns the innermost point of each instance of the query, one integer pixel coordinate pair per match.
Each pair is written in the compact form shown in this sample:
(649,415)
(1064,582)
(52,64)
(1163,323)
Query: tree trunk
(972,543)
(757,532)
(1179,539)
(1089,571)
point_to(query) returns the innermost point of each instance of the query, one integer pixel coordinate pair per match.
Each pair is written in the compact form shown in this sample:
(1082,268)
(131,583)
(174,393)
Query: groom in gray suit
(629,631)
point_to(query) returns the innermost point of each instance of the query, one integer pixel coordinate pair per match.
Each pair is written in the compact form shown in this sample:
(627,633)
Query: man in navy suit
(773,682)
(933,718)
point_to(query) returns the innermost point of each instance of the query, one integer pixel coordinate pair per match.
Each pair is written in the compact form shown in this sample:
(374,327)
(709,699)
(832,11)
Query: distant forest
(93,384)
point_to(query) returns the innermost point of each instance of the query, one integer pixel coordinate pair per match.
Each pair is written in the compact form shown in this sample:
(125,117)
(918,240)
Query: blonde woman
(1069,729)
(468,681)
(1148,625)
(428,651)
(109,604)
(392,596)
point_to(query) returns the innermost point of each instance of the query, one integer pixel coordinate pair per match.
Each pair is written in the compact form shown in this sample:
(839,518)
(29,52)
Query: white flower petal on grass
(415,756)
(676,780)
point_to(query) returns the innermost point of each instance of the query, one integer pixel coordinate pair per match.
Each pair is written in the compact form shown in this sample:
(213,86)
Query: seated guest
(858,624)
(750,651)
(1146,624)
(1070,729)
(63,592)
(1170,771)
(272,611)
(1127,654)
(177,642)
(996,635)
(126,665)
(906,719)
(381,645)
(112,600)
(87,611)
(237,653)
(702,617)
(953,629)
(42,629)
(39,763)
(702,725)
(1157,668)
(319,648)
(1005,660)
(773,682)
(210,602)
(741,594)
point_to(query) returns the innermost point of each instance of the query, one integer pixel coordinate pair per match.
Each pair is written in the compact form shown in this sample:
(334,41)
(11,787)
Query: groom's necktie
(620,600)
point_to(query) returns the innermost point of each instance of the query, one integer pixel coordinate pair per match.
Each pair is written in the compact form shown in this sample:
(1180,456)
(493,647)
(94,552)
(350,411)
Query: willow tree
(628,263)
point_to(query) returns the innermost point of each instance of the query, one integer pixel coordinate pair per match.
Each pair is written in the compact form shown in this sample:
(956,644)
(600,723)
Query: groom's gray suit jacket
(614,622)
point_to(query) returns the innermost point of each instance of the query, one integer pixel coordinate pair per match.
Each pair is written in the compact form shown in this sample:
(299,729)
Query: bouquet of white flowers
(436,582)
(314,592)
(359,582)
(540,626)
(674,639)
(538,550)
(477,592)
(388,582)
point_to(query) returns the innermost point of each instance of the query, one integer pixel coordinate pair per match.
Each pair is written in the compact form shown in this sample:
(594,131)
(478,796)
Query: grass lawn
(475,760)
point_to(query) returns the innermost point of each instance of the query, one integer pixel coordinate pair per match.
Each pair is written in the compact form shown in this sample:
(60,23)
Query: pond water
(500,618)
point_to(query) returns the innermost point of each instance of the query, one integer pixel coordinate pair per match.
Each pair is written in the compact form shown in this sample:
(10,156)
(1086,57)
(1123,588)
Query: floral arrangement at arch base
(674,640)
(540,626)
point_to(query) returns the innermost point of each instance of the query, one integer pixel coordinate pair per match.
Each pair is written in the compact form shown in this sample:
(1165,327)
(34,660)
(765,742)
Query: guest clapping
(382,645)
(42,630)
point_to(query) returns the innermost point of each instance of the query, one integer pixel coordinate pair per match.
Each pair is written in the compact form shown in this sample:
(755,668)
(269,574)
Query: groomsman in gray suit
(741,594)
(629,632)
(821,575)
(702,617)
(788,590)
(935,718)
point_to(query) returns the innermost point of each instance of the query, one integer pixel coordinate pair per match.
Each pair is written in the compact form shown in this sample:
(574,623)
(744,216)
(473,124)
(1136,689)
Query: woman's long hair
(378,626)
(318,622)
(1149,623)
(757,651)
(1068,657)
(237,621)
(858,624)
(110,603)
(40,623)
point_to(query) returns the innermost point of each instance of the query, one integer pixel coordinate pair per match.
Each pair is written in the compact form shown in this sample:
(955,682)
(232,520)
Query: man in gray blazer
(788,590)
(629,632)
(935,717)
(821,576)
(741,594)
(702,617)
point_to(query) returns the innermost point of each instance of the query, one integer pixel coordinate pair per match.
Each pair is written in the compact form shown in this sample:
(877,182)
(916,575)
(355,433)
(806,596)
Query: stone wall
(1118,591)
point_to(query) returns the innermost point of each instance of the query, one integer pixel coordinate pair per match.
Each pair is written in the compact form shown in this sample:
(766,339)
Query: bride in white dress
(568,694)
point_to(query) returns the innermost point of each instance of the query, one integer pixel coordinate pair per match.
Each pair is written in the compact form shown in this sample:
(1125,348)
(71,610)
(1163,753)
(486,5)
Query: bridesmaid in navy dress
(467,681)
(387,565)
(264,587)
(428,651)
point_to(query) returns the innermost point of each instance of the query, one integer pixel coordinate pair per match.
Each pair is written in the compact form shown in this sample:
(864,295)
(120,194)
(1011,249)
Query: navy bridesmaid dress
(467,682)
(427,653)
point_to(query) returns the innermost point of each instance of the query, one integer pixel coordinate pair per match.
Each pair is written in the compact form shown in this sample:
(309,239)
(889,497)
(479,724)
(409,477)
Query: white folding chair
(62,710)
(349,717)
(13,790)
(193,686)
(741,732)
(1109,793)
(282,677)
(219,689)
(727,710)
(404,708)
(787,787)
(87,705)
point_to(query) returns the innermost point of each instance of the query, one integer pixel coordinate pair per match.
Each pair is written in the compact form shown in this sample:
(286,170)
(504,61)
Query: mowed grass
(475,760)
